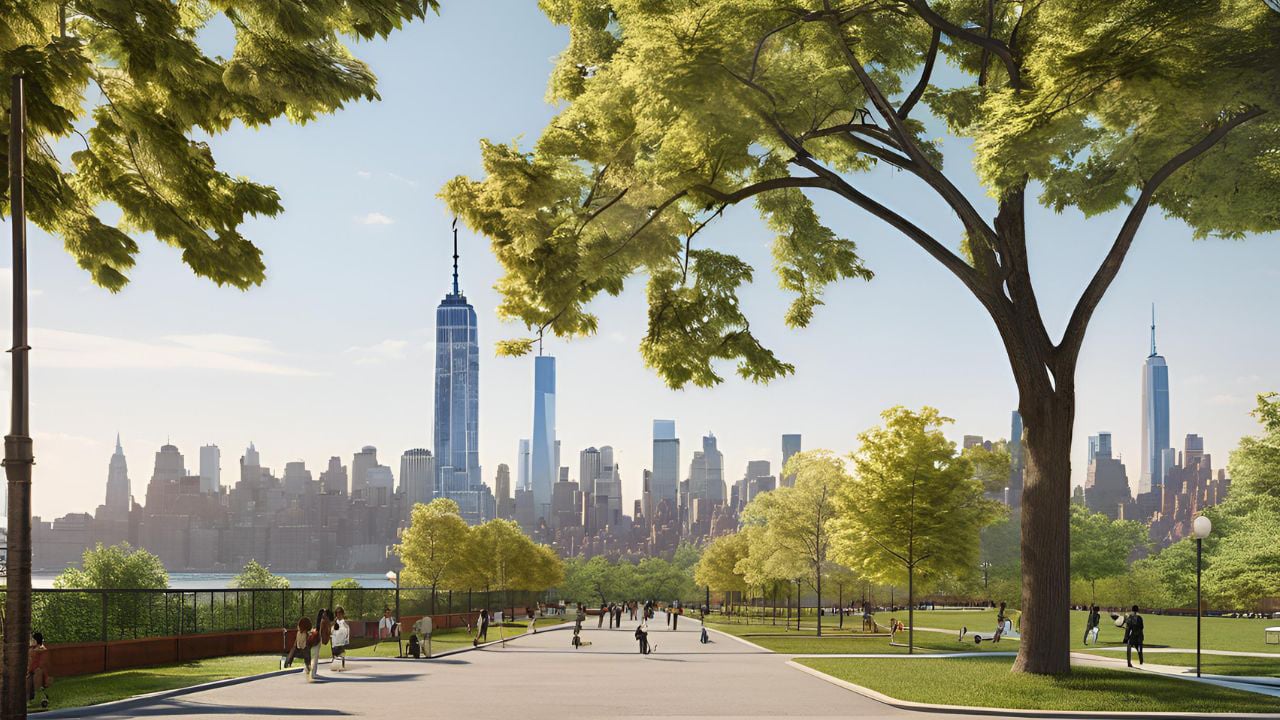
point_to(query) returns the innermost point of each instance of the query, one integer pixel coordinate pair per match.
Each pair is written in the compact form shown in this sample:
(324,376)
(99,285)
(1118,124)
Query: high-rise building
(523,461)
(706,476)
(333,481)
(1099,444)
(118,503)
(790,446)
(361,462)
(417,476)
(1106,489)
(1017,462)
(665,483)
(1155,414)
(505,503)
(379,486)
(753,481)
(544,460)
(210,469)
(296,478)
(170,467)
(457,399)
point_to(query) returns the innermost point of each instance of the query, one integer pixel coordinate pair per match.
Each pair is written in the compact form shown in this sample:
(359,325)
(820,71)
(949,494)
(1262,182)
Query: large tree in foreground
(674,112)
(134,88)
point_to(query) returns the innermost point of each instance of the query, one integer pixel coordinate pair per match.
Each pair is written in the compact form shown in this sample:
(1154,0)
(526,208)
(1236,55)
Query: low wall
(67,659)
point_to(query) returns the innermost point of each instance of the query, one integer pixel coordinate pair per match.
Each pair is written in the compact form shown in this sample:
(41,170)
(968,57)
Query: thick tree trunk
(1045,647)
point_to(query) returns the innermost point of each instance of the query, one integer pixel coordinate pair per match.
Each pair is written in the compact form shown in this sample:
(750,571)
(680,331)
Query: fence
(77,616)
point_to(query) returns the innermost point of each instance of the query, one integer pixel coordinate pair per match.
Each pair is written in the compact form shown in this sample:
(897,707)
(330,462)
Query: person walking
(302,646)
(675,617)
(386,626)
(1091,625)
(37,668)
(604,609)
(1001,619)
(1133,636)
(668,612)
(643,638)
(617,616)
(482,635)
(341,638)
(324,632)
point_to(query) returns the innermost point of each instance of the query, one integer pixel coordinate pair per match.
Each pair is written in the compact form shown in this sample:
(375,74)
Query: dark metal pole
(399,635)
(18,455)
(1199,551)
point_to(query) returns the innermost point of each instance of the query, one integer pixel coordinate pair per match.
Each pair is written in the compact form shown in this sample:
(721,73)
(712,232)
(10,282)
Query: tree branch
(1069,349)
(996,47)
(918,91)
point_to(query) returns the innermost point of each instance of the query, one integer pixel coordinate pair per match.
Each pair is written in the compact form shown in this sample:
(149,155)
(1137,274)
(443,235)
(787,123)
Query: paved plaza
(542,676)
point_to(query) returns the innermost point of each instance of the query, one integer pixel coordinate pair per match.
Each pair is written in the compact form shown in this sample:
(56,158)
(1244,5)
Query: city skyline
(331,353)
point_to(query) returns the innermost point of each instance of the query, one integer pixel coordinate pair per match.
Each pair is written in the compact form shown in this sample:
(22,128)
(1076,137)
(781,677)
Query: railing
(74,616)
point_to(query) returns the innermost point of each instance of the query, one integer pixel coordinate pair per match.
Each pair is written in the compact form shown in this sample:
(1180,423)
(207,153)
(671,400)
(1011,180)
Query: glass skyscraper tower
(543,462)
(457,423)
(1155,415)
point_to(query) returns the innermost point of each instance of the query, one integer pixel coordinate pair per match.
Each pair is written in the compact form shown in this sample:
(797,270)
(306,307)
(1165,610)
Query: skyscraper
(544,458)
(417,476)
(502,493)
(333,481)
(1099,444)
(210,469)
(790,446)
(665,483)
(296,478)
(706,473)
(457,423)
(361,462)
(522,465)
(117,503)
(1155,415)
(1017,462)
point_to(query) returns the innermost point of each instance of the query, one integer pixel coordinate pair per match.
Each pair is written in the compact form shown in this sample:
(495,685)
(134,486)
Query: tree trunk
(1045,647)
(818,587)
(911,610)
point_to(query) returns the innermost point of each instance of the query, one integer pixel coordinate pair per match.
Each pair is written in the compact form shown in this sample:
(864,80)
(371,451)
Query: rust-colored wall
(85,658)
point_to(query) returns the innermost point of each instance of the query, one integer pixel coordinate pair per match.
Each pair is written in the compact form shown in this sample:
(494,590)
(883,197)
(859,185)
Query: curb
(139,700)
(143,700)
(1009,712)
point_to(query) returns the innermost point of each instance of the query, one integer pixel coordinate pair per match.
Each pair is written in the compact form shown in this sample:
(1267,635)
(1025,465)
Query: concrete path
(542,676)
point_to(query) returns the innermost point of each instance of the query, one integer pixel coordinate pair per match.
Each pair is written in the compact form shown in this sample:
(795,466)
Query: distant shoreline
(42,580)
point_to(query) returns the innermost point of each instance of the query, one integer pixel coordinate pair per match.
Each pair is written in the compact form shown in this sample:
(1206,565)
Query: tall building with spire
(544,459)
(457,399)
(117,503)
(1155,415)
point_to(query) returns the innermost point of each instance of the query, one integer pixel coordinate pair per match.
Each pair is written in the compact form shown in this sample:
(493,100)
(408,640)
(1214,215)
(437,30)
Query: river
(218,581)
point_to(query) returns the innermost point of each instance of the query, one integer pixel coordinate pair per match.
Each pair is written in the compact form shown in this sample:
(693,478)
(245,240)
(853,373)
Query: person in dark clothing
(1091,625)
(675,616)
(1133,636)
(643,638)
(604,609)
(617,615)
(483,634)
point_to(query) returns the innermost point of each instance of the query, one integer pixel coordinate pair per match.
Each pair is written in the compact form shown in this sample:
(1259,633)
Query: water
(219,581)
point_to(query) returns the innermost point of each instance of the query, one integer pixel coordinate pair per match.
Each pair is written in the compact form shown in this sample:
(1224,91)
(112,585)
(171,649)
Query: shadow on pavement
(172,708)
(350,677)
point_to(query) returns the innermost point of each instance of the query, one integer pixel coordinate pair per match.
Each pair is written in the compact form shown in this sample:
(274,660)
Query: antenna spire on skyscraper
(455,256)
(1153,330)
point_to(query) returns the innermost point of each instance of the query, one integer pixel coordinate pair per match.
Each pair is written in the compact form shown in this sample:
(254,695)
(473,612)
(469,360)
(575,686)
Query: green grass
(83,690)
(836,641)
(441,641)
(1165,630)
(1216,664)
(987,682)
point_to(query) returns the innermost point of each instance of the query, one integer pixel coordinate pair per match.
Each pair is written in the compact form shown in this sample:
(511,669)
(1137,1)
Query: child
(341,637)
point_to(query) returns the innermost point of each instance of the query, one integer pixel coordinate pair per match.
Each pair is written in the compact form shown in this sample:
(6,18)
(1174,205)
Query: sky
(334,350)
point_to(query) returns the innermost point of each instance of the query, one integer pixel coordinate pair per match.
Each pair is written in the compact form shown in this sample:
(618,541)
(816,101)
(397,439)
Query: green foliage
(1095,98)
(499,557)
(990,467)
(913,507)
(718,568)
(132,86)
(115,567)
(1100,546)
(256,575)
(1255,463)
(434,546)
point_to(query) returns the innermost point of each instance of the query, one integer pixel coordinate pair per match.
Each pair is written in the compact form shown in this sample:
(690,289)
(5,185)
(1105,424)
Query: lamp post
(393,576)
(1200,528)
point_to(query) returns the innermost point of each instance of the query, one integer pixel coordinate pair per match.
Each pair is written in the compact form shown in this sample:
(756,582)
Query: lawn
(1216,664)
(987,682)
(833,641)
(84,690)
(441,640)
(1164,630)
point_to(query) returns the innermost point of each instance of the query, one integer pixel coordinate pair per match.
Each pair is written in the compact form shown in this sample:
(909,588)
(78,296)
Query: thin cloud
(1228,400)
(376,218)
(364,174)
(378,353)
(65,349)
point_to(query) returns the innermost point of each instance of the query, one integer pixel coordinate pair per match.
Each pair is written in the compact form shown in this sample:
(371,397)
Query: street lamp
(1200,528)
(394,577)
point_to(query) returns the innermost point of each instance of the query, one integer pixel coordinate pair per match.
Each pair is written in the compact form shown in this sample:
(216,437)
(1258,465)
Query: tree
(135,88)
(433,546)
(1100,546)
(348,595)
(798,519)
(990,467)
(115,567)
(914,510)
(1096,107)
(718,567)
(257,576)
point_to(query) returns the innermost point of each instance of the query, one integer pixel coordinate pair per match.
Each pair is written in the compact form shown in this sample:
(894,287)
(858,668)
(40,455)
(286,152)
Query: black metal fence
(65,616)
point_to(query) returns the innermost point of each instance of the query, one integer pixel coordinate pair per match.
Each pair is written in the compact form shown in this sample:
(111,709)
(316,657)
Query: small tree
(718,568)
(254,575)
(433,546)
(797,519)
(990,467)
(1100,546)
(914,510)
(115,567)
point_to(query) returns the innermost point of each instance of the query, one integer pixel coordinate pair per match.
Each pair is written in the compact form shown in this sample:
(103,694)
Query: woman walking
(341,637)
(323,631)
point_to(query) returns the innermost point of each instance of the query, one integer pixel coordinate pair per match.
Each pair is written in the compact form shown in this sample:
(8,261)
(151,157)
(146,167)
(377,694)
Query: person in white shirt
(341,637)
(387,625)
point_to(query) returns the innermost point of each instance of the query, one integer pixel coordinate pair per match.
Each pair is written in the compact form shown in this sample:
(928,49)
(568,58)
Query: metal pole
(399,635)
(18,455)
(1199,551)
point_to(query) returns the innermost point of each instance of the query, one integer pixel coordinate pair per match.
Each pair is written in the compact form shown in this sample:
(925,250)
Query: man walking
(1134,638)
(604,608)
(1091,625)
(675,616)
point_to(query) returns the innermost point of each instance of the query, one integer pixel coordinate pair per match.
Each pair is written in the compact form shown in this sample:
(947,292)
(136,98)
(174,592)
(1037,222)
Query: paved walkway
(541,677)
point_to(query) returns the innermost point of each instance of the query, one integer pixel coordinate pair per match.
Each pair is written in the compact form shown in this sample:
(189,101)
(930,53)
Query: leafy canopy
(433,548)
(1100,546)
(115,567)
(133,89)
(672,112)
(259,576)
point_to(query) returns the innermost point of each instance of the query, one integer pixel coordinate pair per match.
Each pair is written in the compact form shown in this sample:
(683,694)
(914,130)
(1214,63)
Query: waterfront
(218,581)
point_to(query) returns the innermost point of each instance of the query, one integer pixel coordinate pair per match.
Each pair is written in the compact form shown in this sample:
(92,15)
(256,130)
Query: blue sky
(334,351)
